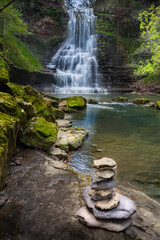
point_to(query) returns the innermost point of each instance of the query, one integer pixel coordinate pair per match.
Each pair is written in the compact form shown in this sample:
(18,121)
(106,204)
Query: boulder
(9,127)
(16,89)
(92,101)
(40,134)
(141,100)
(87,218)
(119,99)
(9,106)
(76,102)
(64,123)
(26,106)
(69,139)
(58,113)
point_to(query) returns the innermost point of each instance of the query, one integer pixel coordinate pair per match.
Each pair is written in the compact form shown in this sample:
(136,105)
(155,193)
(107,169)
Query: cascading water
(75,62)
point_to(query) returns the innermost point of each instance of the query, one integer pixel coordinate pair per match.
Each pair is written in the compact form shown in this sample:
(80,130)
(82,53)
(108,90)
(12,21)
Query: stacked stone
(105,207)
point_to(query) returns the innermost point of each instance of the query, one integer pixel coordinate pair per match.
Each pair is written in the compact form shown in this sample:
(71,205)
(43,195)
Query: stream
(127,133)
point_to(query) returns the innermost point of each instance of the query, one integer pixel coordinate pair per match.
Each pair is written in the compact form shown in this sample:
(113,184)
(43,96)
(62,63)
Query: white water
(75,62)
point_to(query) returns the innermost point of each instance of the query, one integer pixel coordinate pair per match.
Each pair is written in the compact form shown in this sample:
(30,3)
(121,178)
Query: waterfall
(75,62)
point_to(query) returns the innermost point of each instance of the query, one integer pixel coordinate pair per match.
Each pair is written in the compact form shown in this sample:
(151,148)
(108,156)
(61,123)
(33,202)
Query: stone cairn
(105,208)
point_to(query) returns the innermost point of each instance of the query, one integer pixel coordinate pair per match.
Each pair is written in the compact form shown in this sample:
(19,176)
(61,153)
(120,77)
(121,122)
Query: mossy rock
(141,100)
(58,113)
(119,99)
(158,104)
(4,71)
(9,127)
(92,101)
(27,107)
(9,106)
(42,108)
(40,133)
(76,102)
(17,89)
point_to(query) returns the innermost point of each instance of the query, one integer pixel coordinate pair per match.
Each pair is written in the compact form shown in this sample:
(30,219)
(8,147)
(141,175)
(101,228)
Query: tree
(6,5)
(150,47)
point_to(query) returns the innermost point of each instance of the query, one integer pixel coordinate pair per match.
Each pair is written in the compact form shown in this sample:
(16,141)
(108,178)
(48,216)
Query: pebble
(104,163)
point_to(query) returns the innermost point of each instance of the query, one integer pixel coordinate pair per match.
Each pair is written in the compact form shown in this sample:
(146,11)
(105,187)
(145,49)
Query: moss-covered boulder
(9,127)
(54,103)
(76,102)
(26,106)
(158,104)
(64,107)
(16,89)
(40,133)
(58,113)
(141,100)
(9,106)
(42,108)
(120,99)
(92,101)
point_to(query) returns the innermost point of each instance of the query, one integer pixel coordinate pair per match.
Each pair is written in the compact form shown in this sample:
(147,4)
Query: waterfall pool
(127,133)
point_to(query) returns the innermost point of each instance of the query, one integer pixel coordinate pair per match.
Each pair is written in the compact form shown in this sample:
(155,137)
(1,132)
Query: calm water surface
(127,133)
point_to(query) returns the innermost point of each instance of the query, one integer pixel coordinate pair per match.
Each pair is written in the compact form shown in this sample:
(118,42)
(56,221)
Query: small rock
(92,101)
(94,145)
(104,185)
(105,174)
(101,195)
(108,204)
(99,150)
(86,217)
(104,163)
(58,153)
(64,123)
(119,99)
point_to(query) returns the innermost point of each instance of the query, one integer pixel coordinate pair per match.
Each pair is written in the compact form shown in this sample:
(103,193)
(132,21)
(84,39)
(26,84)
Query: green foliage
(150,47)
(4,75)
(12,28)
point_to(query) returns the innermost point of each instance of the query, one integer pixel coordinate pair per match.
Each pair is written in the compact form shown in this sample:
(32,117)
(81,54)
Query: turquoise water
(129,134)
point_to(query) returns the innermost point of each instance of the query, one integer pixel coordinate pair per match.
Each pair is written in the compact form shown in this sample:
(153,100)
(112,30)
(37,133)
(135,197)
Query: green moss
(9,127)
(16,89)
(107,33)
(9,106)
(76,102)
(58,113)
(92,101)
(141,100)
(40,133)
(120,99)
(4,74)
(20,55)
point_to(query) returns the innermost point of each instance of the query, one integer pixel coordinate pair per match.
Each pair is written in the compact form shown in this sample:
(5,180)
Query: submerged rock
(40,133)
(141,100)
(92,101)
(120,99)
(69,139)
(9,127)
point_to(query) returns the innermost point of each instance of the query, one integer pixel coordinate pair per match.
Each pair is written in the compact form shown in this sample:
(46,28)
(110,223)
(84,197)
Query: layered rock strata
(106,208)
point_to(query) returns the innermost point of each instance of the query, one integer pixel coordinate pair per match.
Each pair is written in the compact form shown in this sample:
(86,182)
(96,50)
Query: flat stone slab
(109,203)
(124,210)
(105,174)
(104,163)
(58,153)
(105,184)
(87,218)
(101,195)
(64,123)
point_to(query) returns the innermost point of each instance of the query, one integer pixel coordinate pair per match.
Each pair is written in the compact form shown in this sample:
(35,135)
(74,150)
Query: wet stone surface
(44,196)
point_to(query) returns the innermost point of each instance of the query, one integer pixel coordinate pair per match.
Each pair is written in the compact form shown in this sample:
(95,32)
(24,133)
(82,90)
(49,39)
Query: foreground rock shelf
(44,196)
